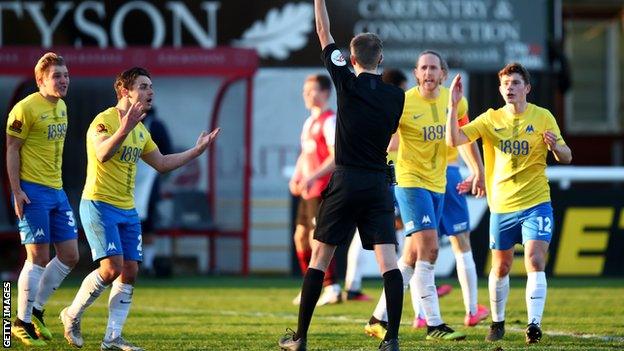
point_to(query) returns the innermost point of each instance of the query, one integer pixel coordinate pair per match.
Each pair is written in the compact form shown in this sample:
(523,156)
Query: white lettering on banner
(462,32)
(449,21)
(475,32)
(449,9)
(47,29)
(483,55)
(182,19)
(90,28)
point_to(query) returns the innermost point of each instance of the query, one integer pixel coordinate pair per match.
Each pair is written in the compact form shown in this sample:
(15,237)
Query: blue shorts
(111,231)
(455,219)
(48,218)
(508,229)
(420,208)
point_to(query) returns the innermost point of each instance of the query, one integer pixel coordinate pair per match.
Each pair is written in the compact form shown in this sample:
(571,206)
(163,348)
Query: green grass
(234,313)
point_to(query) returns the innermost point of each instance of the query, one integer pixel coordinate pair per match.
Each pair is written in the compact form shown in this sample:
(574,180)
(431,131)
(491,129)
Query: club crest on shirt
(101,128)
(337,58)
(16,126)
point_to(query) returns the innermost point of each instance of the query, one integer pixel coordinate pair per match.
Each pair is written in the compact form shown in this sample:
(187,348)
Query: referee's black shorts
(356,198)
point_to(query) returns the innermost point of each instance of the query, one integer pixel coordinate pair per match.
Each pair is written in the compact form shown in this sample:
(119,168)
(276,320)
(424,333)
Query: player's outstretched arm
(165,163)
(322,23)
(562,152)
(454,135)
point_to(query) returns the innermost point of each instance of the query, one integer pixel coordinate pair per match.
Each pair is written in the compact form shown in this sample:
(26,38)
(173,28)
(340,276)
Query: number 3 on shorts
(70,221)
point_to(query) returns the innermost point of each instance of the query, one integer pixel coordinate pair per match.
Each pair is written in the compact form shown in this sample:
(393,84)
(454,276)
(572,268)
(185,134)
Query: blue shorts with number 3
(48,218)
(534,223)
(111,230)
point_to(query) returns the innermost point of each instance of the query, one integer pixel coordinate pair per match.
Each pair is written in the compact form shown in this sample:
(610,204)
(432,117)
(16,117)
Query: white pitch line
(340,319)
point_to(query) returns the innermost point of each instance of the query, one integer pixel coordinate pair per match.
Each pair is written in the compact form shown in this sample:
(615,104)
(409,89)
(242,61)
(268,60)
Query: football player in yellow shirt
(454,223)
(516,140)
(36,130)
(421,176)
(116,140)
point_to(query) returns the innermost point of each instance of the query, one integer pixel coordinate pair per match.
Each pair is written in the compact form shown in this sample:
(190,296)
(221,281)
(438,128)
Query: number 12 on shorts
(544,224)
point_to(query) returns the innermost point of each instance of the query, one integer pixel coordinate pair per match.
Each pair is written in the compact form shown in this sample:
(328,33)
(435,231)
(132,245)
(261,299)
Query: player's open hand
(457,91)
(550,139)
(133,116)
(20,198)
(205,139)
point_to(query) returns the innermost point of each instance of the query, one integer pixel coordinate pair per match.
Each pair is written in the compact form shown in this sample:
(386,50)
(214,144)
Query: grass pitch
(235,313)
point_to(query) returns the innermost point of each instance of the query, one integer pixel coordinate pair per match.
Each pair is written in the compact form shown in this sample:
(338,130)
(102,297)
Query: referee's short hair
(367,49)
(515,67)
(324,82)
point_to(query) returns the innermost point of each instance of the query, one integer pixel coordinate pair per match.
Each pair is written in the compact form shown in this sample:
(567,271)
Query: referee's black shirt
(368,113)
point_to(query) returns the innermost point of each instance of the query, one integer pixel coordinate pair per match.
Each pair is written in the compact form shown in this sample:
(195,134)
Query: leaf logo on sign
(281,32)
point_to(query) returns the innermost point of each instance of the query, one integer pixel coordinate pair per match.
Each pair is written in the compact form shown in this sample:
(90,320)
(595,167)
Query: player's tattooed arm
(322,23)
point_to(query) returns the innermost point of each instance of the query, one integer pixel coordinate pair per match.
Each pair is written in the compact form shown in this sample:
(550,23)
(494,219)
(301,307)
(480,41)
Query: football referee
(358,194)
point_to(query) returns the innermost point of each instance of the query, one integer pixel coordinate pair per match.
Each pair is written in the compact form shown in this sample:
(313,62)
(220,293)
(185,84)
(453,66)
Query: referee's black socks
(310,293)
(393,285)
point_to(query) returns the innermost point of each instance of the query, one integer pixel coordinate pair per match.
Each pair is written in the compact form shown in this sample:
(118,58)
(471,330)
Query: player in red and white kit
(312,172)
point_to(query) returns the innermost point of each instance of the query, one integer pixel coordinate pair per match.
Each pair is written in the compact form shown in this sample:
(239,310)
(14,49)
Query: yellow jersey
(392,156)
(421,159)
(515,156)
(113,181)
(42,125)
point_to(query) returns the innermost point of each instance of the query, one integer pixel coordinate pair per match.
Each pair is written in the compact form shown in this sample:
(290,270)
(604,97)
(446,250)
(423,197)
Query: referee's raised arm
(322,23)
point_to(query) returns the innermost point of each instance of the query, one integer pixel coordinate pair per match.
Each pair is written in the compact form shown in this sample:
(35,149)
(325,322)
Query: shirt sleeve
(329,130)
(98,128)
(18,123)
(475,129)
(336,65)
(553,127)
(150,145)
